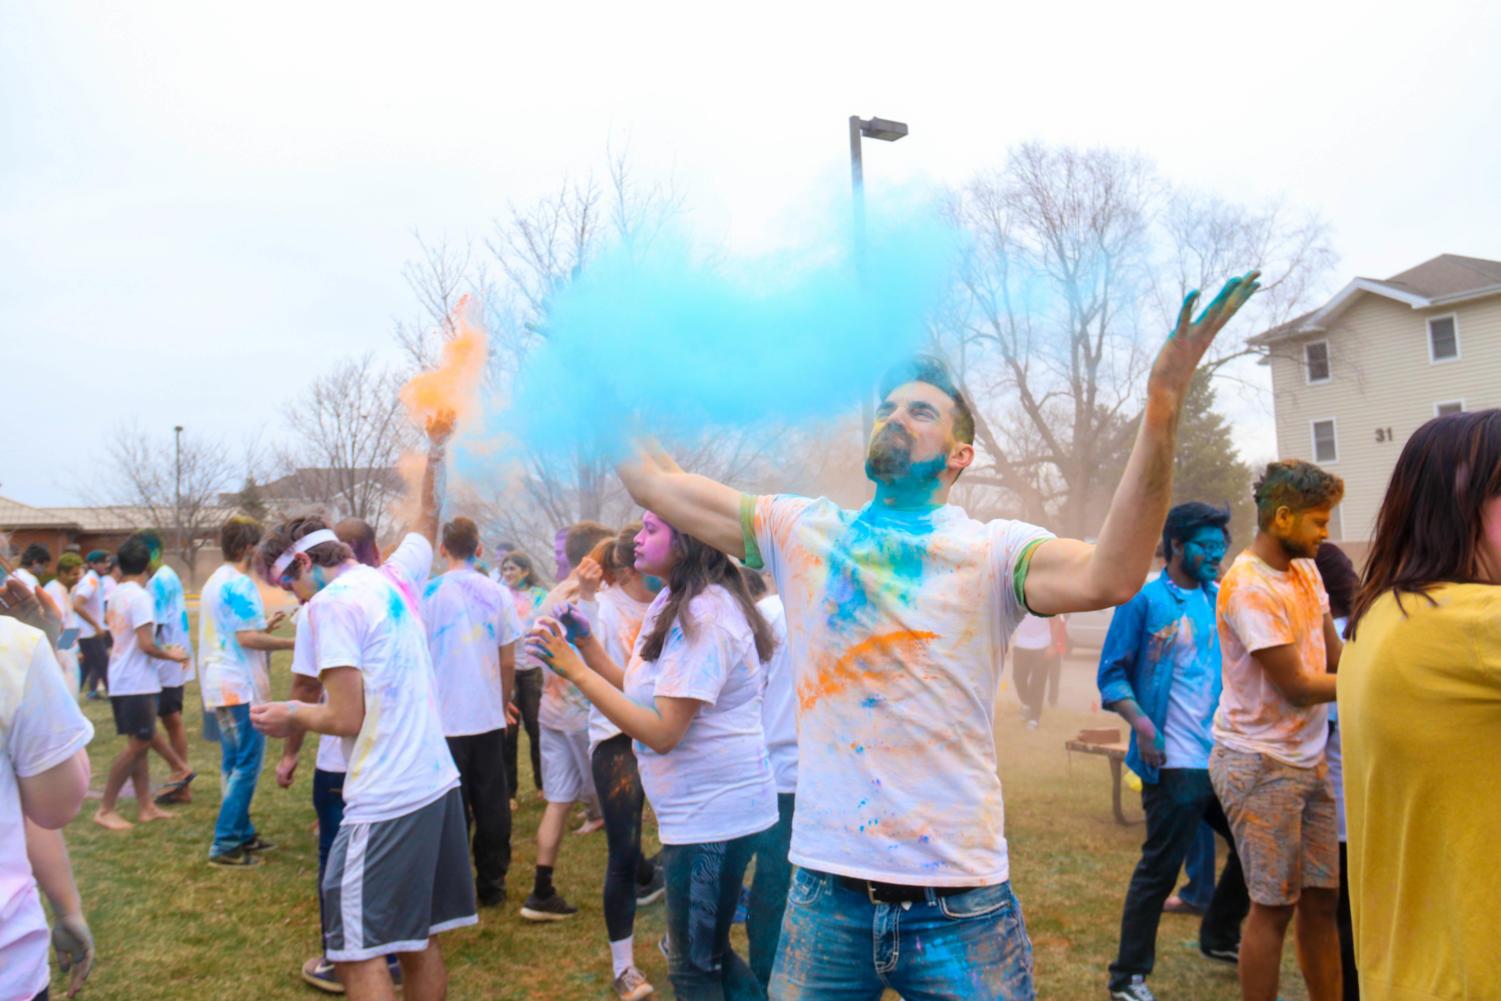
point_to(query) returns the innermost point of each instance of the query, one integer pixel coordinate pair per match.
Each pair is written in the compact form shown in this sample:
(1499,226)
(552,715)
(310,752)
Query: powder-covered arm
(1067,575)
(694,505)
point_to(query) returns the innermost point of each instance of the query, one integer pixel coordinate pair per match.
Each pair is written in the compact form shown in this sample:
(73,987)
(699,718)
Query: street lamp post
(866,128)
(177,501)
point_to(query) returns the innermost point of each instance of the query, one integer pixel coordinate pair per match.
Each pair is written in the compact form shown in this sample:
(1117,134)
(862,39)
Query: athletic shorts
(390,885)
(1283,819)
(169,701)
(567,776)
(135,715)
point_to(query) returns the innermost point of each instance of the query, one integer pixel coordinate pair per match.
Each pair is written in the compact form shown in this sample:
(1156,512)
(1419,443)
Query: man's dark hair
(931,370)
(582,537)
(36,555)
(152,540)
(359,535)
(1187,518)
(134,557)
(461,538)
(324,554)
(238,535)
(1296,485)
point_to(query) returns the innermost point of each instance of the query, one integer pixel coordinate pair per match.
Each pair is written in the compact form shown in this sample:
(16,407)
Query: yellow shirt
(1420,721)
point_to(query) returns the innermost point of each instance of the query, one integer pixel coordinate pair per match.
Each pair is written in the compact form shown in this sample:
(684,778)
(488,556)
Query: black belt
(897,893)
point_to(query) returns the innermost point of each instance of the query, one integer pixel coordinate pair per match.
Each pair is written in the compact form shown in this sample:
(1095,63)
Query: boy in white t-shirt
(134,684)
(69,572)
(471,634)
(88,604)
(171,604)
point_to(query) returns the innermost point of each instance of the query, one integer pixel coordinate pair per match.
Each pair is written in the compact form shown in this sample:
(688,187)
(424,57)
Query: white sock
(623,955)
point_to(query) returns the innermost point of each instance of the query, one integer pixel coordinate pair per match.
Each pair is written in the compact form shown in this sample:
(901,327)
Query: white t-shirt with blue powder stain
(469,618)
(716,784)
(232,676)
(897,627)
(171,604)
(399,761)
(1191,698)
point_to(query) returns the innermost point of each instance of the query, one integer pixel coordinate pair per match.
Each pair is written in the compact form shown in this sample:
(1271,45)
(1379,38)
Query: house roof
(115,518)
(1444,280)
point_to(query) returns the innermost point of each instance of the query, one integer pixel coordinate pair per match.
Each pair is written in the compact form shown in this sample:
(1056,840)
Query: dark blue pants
(703,888)
(768,892)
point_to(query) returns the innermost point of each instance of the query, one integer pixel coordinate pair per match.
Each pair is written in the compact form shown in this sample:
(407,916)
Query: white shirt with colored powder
(617,625)
(779,705)
(469,618)
(131,670)
(40,728)
(232,675)
(90,594)
(897,628)
(172,629)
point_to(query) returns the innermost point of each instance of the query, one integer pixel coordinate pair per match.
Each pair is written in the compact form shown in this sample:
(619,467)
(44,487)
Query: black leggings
(620,799)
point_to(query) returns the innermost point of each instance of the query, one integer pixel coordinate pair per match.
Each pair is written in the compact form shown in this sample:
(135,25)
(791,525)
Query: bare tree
(349,430)
(1080,259)
(176,493)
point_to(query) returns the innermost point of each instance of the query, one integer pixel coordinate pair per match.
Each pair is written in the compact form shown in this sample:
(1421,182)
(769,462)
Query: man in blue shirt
(1160,669)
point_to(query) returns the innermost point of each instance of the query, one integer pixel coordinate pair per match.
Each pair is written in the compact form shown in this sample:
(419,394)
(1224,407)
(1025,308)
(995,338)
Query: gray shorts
(567,775)
(392,884)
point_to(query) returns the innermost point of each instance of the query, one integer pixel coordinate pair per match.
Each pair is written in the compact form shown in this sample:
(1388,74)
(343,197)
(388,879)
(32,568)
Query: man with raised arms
(898,616)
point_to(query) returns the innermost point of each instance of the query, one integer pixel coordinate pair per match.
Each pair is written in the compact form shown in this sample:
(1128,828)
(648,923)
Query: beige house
(1353,379)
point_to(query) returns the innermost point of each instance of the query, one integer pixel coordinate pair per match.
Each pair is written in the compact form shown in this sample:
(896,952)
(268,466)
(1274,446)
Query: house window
(1325,446)
(1316,361)
(1443,338)
(1451,407)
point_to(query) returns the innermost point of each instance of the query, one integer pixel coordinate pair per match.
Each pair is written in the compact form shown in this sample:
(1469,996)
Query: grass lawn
(169,926)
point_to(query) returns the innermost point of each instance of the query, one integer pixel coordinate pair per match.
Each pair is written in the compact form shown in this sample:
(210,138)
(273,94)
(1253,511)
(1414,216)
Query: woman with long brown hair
(1420,712)
(691,696)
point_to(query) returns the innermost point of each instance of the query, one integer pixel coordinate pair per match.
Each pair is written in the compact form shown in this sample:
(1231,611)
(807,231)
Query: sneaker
(239,858)
(553,908)
(650,893)
(632,985)
(1136,990)
(320,973)
(1221,954)
(1031,724)
(258,844)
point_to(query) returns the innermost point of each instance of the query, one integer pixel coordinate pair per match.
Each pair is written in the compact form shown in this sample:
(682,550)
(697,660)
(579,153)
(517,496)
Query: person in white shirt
(134,684)
(69,572)
(234,644)
(773,873)
(471,635)
(44,776)
(171,604)
(35,559)
(88,604)
(691,696)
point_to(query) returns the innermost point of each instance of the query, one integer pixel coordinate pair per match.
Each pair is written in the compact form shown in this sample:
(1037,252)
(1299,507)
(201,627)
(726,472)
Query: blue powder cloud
(663,341)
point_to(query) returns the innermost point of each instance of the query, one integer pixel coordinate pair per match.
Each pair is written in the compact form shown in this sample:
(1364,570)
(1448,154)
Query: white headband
(302,545)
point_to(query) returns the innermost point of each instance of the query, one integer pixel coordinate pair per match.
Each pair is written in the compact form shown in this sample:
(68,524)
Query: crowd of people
(810,690)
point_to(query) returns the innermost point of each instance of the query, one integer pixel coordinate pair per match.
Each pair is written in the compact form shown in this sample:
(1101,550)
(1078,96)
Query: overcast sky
(204,205)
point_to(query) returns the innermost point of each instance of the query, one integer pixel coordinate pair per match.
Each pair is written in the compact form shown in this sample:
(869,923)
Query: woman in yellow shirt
(1420,716)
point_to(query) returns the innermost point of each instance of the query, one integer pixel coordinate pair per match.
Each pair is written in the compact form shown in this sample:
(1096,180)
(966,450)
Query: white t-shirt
(232,675)
(469,618)
(1190,697)
(897,626)
(1033,633)
(716,784)
(617,625)
(40,728)
(92,594)
(107,585)
(1262,607)
(528,605)
(779,706)
(399,762)
(64,602)
(131,670)
(331,756)
(171,606)
(28,578)
(563,707)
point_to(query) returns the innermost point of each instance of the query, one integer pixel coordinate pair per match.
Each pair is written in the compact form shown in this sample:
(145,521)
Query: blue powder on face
(661,341)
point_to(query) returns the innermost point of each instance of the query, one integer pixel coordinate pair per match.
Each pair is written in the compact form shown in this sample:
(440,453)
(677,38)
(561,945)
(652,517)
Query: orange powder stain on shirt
(851,667)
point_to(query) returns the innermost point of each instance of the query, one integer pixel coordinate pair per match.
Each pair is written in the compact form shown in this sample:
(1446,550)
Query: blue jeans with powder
(241,748)
(703,887)
(839,946)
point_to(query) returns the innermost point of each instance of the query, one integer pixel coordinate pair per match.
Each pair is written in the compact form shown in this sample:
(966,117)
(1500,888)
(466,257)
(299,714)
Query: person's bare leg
(367,980)
(146,810)
(1261,951)
(119,770)
(161,745)
(550,832)
(1317,938)
(423,976)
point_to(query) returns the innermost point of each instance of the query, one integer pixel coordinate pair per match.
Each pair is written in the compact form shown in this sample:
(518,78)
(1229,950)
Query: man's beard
(889,457)
(1295,550)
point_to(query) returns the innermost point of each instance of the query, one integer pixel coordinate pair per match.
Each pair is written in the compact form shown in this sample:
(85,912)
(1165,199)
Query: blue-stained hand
(1191,337)
(575,622)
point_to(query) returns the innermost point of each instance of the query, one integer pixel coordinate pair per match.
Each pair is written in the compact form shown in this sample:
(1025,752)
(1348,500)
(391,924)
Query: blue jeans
(241,747)
(768,892)
(838,946)
(1198,866)
(703,887)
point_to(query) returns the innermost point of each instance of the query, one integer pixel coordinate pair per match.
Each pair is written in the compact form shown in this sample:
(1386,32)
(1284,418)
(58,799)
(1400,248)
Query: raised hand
(548,643)
(1190,339)
(589,575)
(573,620)
(440,428)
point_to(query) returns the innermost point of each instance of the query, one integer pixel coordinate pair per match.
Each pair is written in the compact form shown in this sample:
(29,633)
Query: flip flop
(171,789)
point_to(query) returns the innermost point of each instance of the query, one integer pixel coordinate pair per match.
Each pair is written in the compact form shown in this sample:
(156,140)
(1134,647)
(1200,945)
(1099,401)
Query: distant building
(1353,379)
(334,493)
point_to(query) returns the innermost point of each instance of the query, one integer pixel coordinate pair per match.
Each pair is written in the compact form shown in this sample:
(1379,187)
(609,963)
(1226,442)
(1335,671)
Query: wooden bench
(1114,751)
